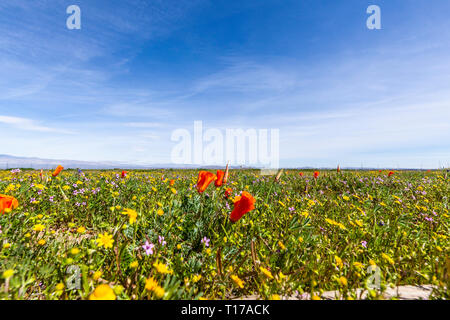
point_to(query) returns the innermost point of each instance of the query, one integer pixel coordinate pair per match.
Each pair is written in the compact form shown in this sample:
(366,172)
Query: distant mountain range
(12,162)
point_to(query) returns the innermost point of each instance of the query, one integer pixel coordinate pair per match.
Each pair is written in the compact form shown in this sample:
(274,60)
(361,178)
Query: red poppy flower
(390,173)
(242,205)
(228,192)
(220,175)
(7,202)
(124,174)
(316,174)
(300,174)
(57,171)
(204,179)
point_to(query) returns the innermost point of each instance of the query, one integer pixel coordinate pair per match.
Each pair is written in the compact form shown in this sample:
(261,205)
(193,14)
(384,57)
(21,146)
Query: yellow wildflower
(159,292)
(132,215)
(162,268)
(8,273)
(387,258)
(343,281)
(59,286)
(105,240)
(237,281)
(81,230)
(150,284)
(103,292)
(338,261)
(38,227)
(266,272)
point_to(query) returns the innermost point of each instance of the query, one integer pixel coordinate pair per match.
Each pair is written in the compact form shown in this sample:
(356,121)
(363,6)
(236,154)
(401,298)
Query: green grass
(312,235)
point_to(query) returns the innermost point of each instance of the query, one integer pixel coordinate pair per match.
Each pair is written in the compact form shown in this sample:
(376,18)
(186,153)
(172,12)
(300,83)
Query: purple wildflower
(205,240)
(161,240)
(148,247)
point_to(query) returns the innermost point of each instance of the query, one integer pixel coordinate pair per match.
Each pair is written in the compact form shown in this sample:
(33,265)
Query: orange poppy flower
(57,171)
(228,192)
(225,176)
(172,182)
(390,173)
(338,168)
(300,174)
(7,202)
(242,205)
(220,175)
(204,179)
(316,174)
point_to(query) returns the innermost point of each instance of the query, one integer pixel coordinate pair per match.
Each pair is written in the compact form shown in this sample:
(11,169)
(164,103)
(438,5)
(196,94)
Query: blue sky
(137,70)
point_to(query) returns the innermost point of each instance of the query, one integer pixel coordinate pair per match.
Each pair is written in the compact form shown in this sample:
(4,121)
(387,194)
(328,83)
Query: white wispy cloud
(249,76)
(138,109)
(30,125)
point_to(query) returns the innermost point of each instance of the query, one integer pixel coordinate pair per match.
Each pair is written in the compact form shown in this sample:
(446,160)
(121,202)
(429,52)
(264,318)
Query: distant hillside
(12,162)
(8,162)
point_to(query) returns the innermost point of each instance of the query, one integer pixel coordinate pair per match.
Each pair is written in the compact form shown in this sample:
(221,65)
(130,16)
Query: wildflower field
(190,234)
